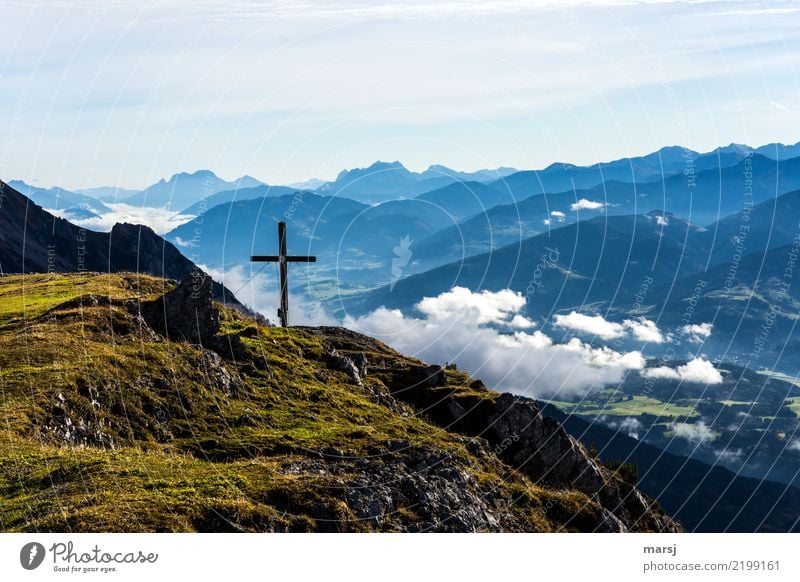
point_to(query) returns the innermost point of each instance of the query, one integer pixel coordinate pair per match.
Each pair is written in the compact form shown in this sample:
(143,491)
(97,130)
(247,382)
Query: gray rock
(187,312)
(344,364)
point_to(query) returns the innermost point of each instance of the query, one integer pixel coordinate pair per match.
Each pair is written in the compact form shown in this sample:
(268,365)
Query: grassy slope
(166,445)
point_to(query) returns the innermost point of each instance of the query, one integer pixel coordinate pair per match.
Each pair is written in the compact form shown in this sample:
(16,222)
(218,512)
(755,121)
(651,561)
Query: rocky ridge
(310,429)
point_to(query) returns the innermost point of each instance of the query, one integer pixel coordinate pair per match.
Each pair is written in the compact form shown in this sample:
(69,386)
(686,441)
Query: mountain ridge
(210,421)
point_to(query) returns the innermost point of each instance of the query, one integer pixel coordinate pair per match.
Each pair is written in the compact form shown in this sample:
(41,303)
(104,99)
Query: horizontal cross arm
(265,259)
(296,259)
(277,259)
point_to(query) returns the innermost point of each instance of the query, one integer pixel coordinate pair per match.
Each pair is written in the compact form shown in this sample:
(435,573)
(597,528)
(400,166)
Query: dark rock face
(188,313)
(540,447)
(435,376)
(185,313)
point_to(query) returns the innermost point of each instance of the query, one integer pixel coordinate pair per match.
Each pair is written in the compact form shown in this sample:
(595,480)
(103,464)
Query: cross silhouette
(283,261)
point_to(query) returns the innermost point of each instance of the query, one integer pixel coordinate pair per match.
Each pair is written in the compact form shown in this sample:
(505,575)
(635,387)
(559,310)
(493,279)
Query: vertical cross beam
(283,311)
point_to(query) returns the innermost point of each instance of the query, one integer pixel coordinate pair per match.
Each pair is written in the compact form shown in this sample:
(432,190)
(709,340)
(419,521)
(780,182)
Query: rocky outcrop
(71,427)
(518,433)
(355,371)
(539,446)
(408,488)
(327,429)
(185,313)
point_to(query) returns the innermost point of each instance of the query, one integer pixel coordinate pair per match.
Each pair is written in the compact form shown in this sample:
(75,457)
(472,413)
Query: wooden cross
(283,261)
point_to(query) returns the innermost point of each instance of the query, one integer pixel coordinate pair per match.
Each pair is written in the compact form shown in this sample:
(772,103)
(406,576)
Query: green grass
(794,380)
(187,455)
(794,404)
(29,296)
(624,407)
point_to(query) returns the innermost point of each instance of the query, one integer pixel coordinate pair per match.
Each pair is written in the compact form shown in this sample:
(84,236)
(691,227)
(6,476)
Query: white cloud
(662,220)
(466,328)
(697,433)
(729,455)
(642,329)
(697,332)
(631,426)
(482,307)
(260,293)
(547,221)
(584,204)
(557,214)
(645,330)
(521,322)
(696,370)
(160,220)
(592,324)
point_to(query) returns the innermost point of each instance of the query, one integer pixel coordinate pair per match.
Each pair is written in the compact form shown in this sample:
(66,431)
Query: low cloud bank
(260,293)
(483,333)
(160,220)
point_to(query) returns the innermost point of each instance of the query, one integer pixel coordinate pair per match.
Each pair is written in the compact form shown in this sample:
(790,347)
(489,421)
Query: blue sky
(124,93)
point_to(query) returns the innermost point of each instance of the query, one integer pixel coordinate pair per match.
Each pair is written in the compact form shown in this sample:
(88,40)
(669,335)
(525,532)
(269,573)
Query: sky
(121,93)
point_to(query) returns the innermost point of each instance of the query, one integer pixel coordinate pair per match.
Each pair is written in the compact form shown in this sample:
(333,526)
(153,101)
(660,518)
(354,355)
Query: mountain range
(385,181)
(34,241)
(65,202)
(185,189)
(715,236)
(466,218)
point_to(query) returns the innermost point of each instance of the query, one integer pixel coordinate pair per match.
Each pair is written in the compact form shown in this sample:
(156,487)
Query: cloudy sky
(106,92)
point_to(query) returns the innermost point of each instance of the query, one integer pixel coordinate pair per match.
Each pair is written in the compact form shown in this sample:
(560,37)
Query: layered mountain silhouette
(34,241)
(238,194)
(108,193)
(184,189)
(384,181)
(709,196)
(586,262)
(66,202)
(703,497)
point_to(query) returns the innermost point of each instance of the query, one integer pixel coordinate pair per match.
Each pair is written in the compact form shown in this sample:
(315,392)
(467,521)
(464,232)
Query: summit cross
(283,261)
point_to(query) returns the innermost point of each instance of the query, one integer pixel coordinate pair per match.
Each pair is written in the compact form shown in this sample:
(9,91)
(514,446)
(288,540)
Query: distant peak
(672,148)
(736,148)
(195,174)
(438,168)
(378,166)
(386,165)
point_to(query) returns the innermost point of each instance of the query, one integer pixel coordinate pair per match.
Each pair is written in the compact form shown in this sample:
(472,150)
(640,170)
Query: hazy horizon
(129,93)
(417,169)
